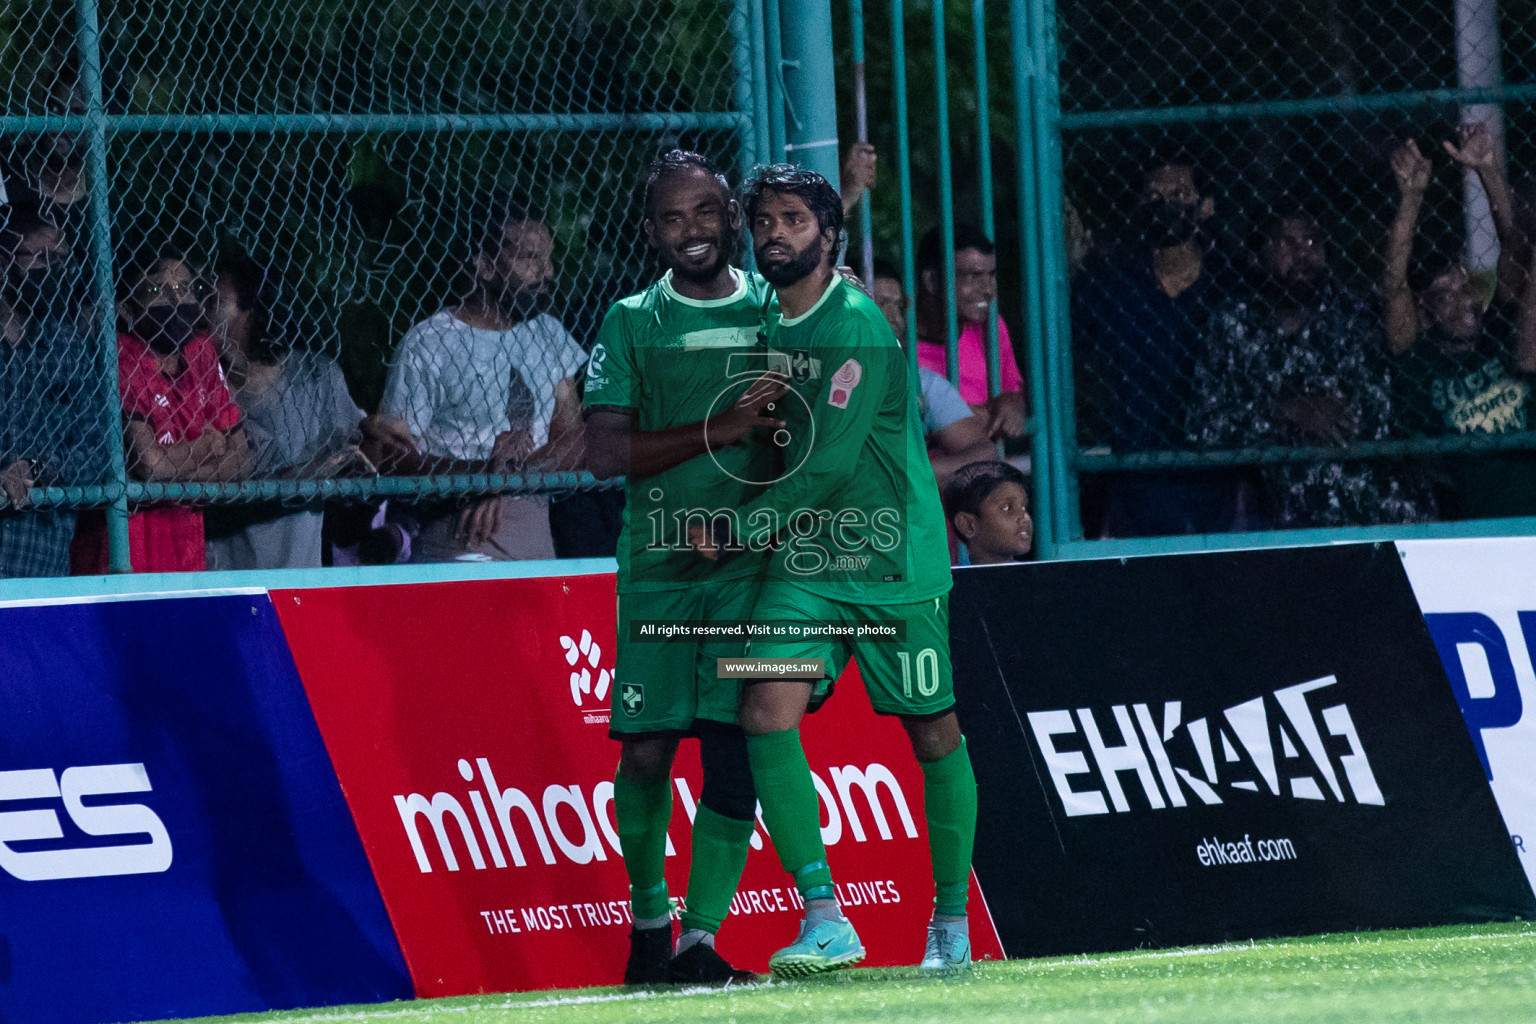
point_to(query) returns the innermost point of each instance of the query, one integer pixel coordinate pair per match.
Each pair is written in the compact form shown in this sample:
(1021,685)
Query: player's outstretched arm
(616,448)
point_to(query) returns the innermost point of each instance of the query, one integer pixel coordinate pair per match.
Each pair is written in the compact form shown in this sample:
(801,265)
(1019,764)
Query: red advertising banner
(468,723)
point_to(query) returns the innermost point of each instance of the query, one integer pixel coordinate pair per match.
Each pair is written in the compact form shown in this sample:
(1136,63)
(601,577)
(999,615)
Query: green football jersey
(673,360)
(855,508)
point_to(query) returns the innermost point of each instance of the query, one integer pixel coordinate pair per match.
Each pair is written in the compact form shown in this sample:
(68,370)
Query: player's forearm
(615,452)
(656,451)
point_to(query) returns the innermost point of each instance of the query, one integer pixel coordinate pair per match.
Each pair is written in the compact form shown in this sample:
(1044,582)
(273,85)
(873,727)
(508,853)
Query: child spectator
(299,418)
(1462,369)
(988,508)
(180,423)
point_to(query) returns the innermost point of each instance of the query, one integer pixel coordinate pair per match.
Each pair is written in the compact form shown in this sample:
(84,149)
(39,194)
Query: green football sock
(791,809)
(949,802)
(643,810)
(719,855)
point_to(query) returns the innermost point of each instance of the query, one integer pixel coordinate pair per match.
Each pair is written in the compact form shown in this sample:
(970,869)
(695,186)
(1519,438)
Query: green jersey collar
(787,321)
(735,296)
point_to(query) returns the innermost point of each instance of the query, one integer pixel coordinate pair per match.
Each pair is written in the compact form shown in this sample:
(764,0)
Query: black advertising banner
(1200,748)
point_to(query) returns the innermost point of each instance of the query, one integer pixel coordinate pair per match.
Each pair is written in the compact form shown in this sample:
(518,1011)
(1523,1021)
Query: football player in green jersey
(855,532)
(667,405)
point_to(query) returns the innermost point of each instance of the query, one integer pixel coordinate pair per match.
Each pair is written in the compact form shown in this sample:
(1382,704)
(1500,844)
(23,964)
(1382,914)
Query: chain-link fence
(1299,238)
(325,252)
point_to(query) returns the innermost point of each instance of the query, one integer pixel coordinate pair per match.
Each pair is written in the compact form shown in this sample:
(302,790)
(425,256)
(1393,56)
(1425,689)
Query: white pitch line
(511,1004)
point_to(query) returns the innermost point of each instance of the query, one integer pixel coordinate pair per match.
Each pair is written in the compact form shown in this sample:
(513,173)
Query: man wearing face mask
(1137,311)
(446,406)
(180,424)
(1298,360)
(51,404)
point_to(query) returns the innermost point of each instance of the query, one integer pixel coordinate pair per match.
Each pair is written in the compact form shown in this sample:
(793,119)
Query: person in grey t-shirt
(451,403)
(299,419)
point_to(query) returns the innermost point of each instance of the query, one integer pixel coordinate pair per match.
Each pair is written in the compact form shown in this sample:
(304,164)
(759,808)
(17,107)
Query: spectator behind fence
(49,170)
(955,434)
(1297,360)
(975,292)
(180,423)
(487,386)
(1139,306)
(298,416)
(988,508)
(1461,370)
(53,406)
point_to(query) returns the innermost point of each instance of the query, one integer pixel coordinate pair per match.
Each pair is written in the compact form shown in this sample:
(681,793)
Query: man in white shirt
(487,386)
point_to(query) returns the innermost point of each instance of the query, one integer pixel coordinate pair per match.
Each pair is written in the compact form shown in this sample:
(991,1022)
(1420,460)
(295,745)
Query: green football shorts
(911,677)
(663,685)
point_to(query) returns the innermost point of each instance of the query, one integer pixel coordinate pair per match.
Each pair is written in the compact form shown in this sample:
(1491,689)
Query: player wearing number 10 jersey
(668,405)
(857,535)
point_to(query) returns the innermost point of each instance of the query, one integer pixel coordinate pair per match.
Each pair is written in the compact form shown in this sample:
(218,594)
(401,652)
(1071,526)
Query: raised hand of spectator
(16,479)
(1006,415)
(1474,148)
(1322,416)
(1411,168)
(858,173)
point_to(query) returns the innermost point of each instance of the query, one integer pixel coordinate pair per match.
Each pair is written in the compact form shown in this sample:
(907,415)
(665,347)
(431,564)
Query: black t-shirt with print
(1450,387)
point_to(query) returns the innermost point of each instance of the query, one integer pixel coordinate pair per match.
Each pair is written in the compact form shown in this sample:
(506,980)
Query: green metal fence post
(810,85)
(774,40)
(1025,73)
(88,43)
(904,175)
(861,120)
(984,176)
(1046,112)
(745,94)
(763,150)
(946,194)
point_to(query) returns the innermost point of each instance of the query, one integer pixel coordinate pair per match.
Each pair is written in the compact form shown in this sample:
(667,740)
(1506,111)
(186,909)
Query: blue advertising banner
(173,839)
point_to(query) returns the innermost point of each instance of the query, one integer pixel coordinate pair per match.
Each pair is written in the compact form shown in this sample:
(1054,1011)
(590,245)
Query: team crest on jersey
(800,366)
(632,698)
(844,381)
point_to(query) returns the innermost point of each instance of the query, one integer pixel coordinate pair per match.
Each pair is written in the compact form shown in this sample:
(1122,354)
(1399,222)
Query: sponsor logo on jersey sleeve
(597,369)
(844,381)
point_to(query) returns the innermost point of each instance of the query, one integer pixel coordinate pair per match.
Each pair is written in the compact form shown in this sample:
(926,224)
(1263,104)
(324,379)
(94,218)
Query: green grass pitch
(1484,973)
